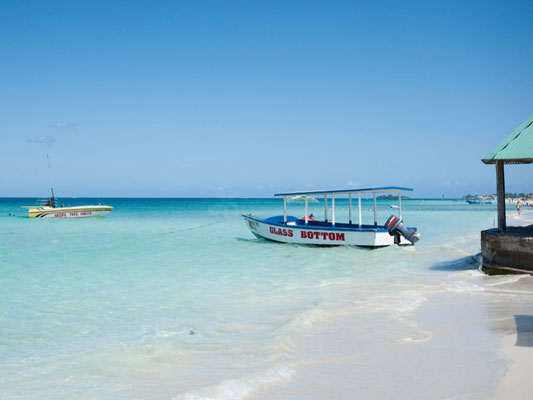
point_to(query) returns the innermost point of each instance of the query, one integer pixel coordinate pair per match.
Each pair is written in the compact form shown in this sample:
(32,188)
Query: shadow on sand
(461,264)
(524,330)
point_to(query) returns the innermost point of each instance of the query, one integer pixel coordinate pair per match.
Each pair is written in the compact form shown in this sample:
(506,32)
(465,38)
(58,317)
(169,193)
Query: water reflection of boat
(309,230)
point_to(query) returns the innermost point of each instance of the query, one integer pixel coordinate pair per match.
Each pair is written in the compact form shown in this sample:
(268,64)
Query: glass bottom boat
(307,230)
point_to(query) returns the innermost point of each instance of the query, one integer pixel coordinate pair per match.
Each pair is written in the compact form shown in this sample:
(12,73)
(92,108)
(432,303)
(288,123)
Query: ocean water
(176,299)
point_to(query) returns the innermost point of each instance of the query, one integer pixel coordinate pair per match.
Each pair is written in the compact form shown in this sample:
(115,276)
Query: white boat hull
(69,212)
(298,233)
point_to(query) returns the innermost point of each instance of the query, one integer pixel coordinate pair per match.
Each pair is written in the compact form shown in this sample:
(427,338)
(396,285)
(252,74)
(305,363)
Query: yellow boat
(68,212)
(48,208)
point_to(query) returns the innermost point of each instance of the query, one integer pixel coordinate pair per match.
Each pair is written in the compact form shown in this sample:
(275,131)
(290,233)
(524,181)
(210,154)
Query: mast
(53,200)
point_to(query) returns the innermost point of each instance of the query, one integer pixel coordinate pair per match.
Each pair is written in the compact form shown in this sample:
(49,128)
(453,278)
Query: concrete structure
(509,249)
(508,252)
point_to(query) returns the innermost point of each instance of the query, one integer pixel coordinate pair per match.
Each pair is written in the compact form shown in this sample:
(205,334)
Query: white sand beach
(525,217)
(518,347)
(517,344)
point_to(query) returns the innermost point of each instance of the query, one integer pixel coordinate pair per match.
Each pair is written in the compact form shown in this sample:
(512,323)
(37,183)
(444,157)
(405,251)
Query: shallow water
(176,299)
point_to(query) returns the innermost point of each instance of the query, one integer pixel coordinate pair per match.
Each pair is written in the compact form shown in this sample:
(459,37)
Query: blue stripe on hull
(300,224)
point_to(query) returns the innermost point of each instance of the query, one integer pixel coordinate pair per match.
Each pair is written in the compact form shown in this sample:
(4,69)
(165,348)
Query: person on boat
(311,217)
(51,202)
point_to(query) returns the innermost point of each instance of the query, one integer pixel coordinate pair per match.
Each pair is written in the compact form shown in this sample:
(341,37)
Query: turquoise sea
(176,299)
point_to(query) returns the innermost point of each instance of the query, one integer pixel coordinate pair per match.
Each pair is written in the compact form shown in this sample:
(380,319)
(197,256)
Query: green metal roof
(517,148)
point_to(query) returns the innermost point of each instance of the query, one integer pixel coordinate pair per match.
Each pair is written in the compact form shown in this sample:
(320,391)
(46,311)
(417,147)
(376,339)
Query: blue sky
(243,98)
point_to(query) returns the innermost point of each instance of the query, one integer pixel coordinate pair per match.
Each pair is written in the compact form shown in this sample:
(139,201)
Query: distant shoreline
(219,198)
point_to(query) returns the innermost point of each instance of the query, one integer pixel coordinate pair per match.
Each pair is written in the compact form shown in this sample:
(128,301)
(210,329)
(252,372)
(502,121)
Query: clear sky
(248,98)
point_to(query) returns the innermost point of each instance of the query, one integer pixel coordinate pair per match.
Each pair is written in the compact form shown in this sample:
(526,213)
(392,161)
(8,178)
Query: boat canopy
(348,191)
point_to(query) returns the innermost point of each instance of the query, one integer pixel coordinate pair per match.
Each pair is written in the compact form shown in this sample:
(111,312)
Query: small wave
(511,292)
(469,273)
(147,358)
(402,303)
(318,285)
(307,319)
(236,389)
(165,334)
(420,336)
(462,287)
(507,280)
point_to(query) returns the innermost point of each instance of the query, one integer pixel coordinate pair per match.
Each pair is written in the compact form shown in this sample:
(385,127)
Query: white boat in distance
(307,230)
(301,199)
(482,200)
(50,210)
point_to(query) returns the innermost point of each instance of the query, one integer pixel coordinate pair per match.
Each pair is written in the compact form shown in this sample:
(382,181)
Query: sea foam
(237,389)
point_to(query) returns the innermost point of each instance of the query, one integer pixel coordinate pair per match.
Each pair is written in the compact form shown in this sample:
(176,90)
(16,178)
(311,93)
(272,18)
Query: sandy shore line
(525,217)
(517,344)
(516,384)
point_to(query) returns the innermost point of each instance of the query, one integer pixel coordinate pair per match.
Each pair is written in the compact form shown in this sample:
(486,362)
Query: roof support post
(306,209)
(333,209)
(350,207)
(326,207)
(375,211)
(400,203)
(285,210)
(500,192)
(360,216)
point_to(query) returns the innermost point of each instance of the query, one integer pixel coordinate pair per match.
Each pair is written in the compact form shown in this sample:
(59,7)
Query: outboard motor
(396,228)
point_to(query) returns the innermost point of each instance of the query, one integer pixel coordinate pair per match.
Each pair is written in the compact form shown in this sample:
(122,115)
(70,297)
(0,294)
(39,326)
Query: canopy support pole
(400,203)
(285,210)
(500,192)
(350,207)
(326,207)
(360,216)
(333,209)
(375,212)
(306,209)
